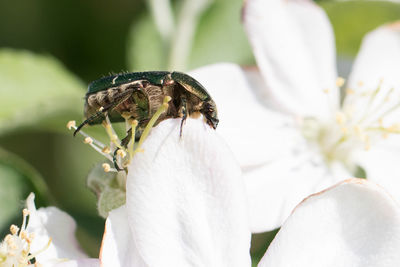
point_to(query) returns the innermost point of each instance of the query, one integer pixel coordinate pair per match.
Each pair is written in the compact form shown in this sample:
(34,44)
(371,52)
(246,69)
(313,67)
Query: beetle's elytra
(138,95)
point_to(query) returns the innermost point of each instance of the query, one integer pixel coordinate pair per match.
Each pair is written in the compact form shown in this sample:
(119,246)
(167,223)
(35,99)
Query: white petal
(378,59)
(277,187)
(80,263)
(52,223)
(254,133)
(185,199)
(118,247)
(294,47)
(381,164)
(355,223)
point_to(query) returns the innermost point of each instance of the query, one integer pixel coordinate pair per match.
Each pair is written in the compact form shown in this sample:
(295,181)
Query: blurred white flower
(46,238)
(285,122)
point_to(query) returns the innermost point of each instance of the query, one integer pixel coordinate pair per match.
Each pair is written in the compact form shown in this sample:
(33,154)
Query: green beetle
(138,95)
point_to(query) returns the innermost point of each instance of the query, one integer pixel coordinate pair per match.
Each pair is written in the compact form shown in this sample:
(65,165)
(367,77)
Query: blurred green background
(50,50)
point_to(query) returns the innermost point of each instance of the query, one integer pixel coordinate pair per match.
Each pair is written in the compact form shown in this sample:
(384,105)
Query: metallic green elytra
(138,95)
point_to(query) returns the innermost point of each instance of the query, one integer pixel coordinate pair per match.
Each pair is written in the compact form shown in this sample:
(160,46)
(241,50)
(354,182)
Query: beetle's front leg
(183,112)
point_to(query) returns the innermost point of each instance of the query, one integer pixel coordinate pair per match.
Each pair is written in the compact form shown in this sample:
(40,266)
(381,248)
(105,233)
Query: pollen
(340,81)
(350,91)
(25,212)
(326,90)
(71,124)
(340,118)
(14,229)
(121,153)
(106,167)
(106,150)
(88,140)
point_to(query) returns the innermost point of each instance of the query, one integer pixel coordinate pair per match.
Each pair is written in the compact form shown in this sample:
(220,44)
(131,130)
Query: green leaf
(17,180)
(145,47)
(37,89)
(219,37)
(351,20)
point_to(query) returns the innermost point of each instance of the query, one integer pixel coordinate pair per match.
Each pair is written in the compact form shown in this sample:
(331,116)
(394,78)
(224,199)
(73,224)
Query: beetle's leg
(115,160)
(127,138)
(183,111)
(88,120)
(118,100)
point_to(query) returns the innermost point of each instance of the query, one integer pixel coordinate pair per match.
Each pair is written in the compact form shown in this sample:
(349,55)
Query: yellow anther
(71,124)
(106,167)
(133,123)
(360,83)
(88,140)
(14,229)
(23,234)
(167,99)
(106,150)
(326,90)
(11,253)
(121,153)
(25,212)
(340,118)
(340,81)
(350,91)
(367,144)
(344,130)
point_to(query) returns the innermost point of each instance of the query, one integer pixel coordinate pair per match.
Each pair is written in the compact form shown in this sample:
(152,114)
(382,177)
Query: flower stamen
(125,152)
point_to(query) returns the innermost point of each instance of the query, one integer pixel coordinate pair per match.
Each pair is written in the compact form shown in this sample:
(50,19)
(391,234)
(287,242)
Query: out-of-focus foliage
(351,20)
(36,89)
(219,36)
(17,179)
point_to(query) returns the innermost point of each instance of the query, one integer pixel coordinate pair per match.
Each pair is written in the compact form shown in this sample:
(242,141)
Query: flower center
(364,118)
(16,246)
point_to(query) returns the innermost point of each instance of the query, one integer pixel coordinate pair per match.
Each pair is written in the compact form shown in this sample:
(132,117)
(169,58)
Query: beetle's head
(209,112)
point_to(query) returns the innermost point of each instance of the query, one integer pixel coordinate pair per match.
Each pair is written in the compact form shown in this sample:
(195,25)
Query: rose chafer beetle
(138,96)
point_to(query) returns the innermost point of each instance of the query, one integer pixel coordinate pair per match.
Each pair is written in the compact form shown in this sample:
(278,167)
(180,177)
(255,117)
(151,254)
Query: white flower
(285,122)
(183,197)
(46,237)
(186,207)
